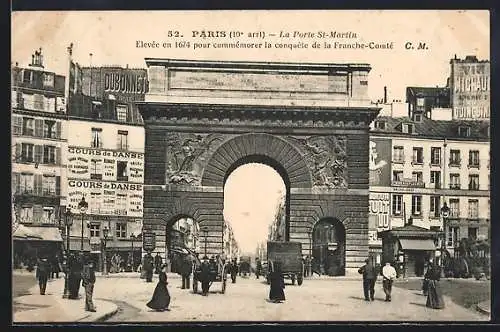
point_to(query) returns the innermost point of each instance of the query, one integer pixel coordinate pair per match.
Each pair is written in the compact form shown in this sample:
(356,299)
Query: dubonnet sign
(149,241)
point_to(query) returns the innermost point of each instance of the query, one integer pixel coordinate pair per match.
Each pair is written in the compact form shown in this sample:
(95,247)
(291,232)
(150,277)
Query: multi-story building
(105,163)
(417,167)
(426,101)
(38,144)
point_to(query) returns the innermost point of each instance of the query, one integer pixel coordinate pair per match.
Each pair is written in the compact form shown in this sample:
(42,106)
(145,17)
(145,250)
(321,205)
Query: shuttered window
(17,125)
(39,127)
(38,185)
(58,130)
(49,154)
(38,154)
(16,182)
(37,213)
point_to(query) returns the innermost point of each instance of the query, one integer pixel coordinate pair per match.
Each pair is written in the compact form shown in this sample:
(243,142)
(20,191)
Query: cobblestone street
(321,300)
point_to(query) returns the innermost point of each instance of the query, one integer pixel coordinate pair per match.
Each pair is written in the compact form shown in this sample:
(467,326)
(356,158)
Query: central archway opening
(256,205)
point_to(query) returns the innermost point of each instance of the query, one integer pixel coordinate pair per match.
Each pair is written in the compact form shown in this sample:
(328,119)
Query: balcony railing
(454,185)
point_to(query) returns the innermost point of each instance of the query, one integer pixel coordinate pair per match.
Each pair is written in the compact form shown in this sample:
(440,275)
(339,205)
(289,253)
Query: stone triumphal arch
(309,122)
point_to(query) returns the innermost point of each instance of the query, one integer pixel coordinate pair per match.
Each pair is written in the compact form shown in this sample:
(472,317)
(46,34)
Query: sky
(111,37)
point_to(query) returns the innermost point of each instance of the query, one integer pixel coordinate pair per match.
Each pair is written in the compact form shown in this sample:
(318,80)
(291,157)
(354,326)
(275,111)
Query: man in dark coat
(148,267)
(277,282)
(369,278)
(205,276)
(43,270)
(88,277)
(158,263)
(233,270)
(75,273)
(258,267)
(186,268)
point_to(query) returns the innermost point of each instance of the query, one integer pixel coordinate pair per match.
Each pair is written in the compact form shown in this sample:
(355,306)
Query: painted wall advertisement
(471,89)
(107,198)
(99,164)
(378,218)
(380,162)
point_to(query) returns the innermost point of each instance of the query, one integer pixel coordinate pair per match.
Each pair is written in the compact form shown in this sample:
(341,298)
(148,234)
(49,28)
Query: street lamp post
(83,206)
(445,210)
(68,222)
(105,232)
(132,238)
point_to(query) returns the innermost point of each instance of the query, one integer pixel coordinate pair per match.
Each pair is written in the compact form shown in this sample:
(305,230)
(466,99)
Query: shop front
(409,248)
(32,242)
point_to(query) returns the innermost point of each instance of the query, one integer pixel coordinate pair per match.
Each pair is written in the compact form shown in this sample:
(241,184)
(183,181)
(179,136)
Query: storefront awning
(417,244)
(38,233)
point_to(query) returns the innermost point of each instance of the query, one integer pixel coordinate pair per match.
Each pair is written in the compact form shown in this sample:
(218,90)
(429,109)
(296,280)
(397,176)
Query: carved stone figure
(186,156)
(326,157)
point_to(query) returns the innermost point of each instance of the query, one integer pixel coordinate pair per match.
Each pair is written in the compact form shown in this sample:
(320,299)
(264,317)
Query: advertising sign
(378,218)
(470,89)
(380,162)
(149,241)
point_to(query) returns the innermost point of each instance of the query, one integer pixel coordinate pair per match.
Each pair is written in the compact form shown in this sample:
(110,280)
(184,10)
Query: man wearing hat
(369,279)
(42,274)
(205,276)
(88,277)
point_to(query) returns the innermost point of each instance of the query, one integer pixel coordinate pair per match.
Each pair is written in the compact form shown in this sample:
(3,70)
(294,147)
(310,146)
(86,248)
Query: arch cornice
(257,147)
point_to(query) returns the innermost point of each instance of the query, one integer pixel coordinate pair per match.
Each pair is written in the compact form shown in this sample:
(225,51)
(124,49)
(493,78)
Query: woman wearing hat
(161,297)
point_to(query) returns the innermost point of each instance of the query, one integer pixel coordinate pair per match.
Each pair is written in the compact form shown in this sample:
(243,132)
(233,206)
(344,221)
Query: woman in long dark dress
(161,298)
(434,294)
(276,292)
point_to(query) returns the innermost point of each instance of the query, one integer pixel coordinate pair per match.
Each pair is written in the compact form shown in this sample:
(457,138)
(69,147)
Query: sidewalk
(484,307)
(36,308)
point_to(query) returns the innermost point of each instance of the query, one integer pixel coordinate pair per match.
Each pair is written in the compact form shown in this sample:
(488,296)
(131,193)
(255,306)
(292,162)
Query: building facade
(417,167)
(39,140)
(105,162)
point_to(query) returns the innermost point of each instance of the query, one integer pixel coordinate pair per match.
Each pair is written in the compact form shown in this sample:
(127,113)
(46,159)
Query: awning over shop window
(38,233)
(417,244)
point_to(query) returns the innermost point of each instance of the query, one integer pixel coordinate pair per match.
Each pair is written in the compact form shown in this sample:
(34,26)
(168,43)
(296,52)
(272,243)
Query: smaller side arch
(329,246)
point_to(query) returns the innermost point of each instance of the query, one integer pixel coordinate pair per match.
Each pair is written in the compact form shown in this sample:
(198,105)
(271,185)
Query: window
(397,204)
(48,215)
(417,117)
(472,232)
(27,76)
(48,80)
(121,174)
(436,179)
(122,140)
(121,230)
(420,102)
(473,208)
(435,208)
(416,205)
(407,128)
(96,138)
(417,177)
(49,129)
(121,204)
(95,202)
(398,154)
(49,154)
(26,214)
(96,169)
(121,113)
(435,156)
(454,208)
(418,155)
(474,158)
(397,176)
(473,182)
(17,125)
(13,98)
(38,102)
(49,185)
(380,124)
(454,181)
(453,236)
(28,126)
(27,152)
(26,183)
(464,131)
(455,157)
(95,230)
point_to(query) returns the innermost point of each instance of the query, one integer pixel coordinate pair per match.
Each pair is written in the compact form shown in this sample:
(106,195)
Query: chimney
(385,95)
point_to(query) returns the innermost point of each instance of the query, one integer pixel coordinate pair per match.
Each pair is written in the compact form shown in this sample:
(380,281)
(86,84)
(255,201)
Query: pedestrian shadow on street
(419,304)
(273,302)
(362,298)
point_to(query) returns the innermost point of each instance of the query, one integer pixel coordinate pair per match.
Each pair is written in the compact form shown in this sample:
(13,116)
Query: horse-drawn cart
(217,273)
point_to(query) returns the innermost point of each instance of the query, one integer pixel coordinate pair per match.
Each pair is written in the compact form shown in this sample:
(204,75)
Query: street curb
(106,315)
(483,308)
